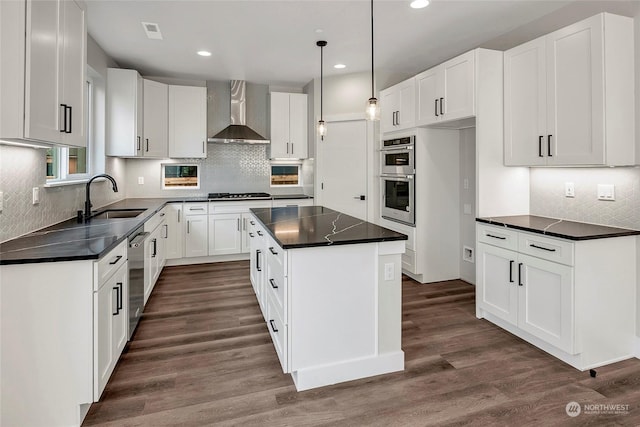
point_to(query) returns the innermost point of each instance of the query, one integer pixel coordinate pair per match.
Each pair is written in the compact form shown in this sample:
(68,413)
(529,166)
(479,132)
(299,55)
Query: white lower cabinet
(175,233)
(573,299)
(257,271)
(110,326)
(154,251)
(225,233)
(196,225)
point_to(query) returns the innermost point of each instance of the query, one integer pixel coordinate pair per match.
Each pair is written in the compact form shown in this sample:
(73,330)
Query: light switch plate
(606,192)
(36,195)
(569,189)
(388,271)
(141,180)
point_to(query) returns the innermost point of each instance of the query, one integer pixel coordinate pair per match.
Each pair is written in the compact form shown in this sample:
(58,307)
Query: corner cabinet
(569,98)
(187,122)
(397,105)
(137,115)
(548,292)
(447,91)
(43,71)
(289,125)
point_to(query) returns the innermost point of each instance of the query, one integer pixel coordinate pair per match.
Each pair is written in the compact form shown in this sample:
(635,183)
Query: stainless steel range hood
(238,132)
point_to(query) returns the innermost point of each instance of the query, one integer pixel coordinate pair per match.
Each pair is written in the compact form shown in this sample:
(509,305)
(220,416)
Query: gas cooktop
(239,196)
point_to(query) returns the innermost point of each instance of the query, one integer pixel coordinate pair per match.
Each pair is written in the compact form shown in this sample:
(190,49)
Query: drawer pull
(116,260)
(273,284)
(496,237)
(272,251)
(511,271)
(273,328)
(196,209)
(260,233)
(542,247)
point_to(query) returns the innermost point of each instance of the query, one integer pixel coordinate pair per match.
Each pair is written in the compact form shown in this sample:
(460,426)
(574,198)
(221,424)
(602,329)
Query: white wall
(468,197)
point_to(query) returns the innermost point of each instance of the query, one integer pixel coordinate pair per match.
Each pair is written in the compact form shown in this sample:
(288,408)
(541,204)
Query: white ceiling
(274,42)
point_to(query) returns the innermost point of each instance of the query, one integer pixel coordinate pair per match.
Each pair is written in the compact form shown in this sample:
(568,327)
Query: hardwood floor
(202,355)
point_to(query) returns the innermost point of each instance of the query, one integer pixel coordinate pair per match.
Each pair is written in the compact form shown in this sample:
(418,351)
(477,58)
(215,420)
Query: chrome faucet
(87,202)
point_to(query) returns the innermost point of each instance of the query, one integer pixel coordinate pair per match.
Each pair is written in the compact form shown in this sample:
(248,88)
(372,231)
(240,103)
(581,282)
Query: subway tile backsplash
(547,197)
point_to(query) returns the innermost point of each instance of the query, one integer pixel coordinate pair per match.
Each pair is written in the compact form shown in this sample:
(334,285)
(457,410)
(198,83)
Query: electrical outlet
(569,189)
(1,200)
(141,180)
(465,183)
(606,192)
(35,191)
(467,208)
(388,271)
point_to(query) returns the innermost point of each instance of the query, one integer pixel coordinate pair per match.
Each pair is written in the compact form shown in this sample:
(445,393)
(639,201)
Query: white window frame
(199,175)
(298,164)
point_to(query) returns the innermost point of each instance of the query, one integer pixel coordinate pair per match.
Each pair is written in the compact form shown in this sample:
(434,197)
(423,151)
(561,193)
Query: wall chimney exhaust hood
(238,132)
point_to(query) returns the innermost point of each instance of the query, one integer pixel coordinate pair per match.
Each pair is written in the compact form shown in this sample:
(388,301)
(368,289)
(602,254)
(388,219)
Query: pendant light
(373,108)
(322,126)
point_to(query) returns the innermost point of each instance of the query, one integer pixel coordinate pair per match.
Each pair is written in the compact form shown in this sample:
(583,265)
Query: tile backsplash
(547,195)
(22,169)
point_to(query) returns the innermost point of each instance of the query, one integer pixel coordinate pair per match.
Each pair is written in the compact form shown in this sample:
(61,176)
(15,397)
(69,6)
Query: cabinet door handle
(273,284)
(258,252)
(115,288)
(511,271)
(273,328)
(520,274)
(292,148)
(147,139)
(138,149)
(287,148)
(436,106)
(272,251)
(166,231)
(398,118)
(238,223)
(155,248)
(244,224)
(203,147)
(496,237)
(70,119)
(115,261)
(119,284)
(542,247)
(179,211)
(188,226)
(549,146)
(441,112)
(63,128)
(540,146)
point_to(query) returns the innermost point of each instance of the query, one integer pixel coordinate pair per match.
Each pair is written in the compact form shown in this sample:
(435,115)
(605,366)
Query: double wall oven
(398,180)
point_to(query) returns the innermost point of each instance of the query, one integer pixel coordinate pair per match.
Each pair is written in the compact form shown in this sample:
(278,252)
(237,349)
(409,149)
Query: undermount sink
(118,213)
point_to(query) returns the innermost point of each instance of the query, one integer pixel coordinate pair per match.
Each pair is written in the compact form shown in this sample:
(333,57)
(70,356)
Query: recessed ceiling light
(339,66)
(419,4)
(204,53)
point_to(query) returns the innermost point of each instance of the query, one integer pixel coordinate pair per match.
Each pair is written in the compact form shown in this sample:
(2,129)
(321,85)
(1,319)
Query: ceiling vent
(152,30)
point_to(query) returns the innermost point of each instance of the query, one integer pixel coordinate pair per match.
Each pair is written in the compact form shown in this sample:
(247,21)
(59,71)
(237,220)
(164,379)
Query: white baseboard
(206,259)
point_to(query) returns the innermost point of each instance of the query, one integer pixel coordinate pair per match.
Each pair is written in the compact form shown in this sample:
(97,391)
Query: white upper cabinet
(569,96)
(187,121)
(155,119)
(43,71)
(397,106)
(137,115)
(289,125)
(447,92)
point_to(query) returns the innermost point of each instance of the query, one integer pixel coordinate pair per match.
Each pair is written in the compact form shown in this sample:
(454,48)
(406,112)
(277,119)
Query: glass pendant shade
(322,128)
(373,109)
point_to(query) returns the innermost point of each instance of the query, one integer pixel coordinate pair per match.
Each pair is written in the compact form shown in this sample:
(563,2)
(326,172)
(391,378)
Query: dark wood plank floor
(202,355)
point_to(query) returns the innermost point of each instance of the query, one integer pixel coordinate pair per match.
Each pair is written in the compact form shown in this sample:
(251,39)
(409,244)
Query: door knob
(360,197)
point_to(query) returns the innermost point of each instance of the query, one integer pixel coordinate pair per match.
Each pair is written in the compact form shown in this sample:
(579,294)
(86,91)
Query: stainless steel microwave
(397,156)
(398,198)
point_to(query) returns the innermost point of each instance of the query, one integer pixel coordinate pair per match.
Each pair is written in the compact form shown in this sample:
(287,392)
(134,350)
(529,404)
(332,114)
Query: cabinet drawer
(275,285)
(409,261)
(551,249)
(274,251)
(196,208)
(291,202)
(155,220)
(278,332)
(244,206)
(109,263)
(497,236)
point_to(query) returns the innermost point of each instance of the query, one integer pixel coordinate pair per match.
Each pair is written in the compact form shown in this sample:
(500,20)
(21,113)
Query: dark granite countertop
(554,227)
(308,226)
(70,241)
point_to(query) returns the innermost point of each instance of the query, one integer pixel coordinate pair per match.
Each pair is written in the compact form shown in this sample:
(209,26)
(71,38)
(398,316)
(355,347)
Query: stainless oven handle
(396,176)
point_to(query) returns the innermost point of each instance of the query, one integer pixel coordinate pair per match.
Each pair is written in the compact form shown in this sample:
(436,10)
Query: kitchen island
(329,287)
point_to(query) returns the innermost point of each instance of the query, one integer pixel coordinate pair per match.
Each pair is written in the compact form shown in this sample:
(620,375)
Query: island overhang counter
(329,287)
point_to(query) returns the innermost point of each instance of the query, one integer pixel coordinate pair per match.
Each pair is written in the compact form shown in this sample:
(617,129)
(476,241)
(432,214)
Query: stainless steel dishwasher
(136,276)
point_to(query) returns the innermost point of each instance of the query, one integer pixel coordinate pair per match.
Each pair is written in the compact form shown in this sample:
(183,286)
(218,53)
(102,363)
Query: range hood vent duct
(238,132)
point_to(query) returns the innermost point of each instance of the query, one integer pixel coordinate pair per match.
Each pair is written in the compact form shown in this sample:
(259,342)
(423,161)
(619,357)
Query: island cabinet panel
(333,311)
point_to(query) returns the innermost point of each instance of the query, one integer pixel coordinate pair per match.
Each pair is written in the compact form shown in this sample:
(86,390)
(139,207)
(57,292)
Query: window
(73,163)
(177,176)
(285,175)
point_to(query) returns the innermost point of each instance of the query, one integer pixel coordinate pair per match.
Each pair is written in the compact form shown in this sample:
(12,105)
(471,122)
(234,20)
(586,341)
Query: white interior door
(342,168)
